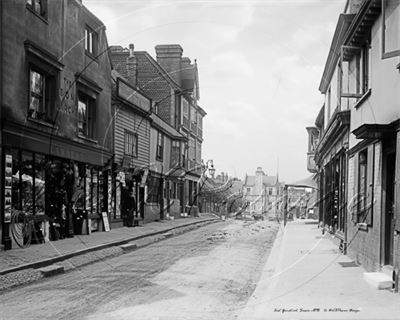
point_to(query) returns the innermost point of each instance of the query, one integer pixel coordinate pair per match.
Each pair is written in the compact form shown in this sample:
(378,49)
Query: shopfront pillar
(5,213)
(396,255)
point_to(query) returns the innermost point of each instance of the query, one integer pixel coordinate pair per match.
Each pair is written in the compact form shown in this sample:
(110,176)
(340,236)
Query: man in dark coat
(130,207)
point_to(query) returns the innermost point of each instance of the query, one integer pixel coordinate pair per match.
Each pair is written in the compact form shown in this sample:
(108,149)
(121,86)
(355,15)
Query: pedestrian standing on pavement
(131,208)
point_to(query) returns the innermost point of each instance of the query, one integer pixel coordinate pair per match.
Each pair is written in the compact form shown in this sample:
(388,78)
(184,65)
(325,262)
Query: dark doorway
(141,202)
(182,196)
(388,223)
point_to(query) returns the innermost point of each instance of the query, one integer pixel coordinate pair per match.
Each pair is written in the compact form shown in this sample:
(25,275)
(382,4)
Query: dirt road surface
(208,273)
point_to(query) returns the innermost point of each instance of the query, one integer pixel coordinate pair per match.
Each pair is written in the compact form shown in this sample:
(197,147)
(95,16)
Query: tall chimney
(169,56)
(131,65)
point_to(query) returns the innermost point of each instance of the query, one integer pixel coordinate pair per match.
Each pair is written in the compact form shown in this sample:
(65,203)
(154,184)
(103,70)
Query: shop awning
(308,182)
(375,130)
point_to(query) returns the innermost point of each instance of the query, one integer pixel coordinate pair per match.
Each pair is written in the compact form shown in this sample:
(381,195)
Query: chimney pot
(131,49)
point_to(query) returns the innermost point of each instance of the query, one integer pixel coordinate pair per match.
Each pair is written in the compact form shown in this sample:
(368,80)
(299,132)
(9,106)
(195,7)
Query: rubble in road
(252,227)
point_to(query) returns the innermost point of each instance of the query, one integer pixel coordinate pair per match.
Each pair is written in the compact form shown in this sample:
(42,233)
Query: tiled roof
(154,81)
(267,180)
(166,128)
(118,60)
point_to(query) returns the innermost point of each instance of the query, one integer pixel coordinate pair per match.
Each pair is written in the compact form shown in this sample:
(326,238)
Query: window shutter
(370,185)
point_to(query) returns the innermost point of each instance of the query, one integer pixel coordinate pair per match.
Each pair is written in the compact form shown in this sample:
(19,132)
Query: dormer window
(90,41)
(37,6)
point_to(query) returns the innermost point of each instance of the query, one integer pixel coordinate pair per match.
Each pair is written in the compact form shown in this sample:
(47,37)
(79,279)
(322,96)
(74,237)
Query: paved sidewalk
(303,279)
(44,254)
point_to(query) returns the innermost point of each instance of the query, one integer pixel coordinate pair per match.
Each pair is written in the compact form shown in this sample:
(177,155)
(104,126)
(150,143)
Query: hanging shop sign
(122,178)
(7,189)
(144,178)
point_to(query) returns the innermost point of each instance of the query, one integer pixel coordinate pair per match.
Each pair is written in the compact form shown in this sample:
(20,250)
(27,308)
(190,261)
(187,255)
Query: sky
(260,63)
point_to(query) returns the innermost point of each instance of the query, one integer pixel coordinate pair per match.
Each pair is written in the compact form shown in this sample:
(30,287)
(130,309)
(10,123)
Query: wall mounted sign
(134,97)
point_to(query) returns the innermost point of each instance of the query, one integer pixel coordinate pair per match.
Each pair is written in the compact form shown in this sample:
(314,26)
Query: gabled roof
(267,181)
(162,72)
(190,77)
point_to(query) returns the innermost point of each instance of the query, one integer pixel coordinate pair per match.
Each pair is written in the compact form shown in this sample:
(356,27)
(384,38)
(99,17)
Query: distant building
(263,193)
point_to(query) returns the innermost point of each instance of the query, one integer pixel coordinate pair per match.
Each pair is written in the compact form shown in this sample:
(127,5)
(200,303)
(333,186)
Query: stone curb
(50,261)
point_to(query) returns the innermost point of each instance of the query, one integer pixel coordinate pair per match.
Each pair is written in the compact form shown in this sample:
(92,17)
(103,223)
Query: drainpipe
(346,154)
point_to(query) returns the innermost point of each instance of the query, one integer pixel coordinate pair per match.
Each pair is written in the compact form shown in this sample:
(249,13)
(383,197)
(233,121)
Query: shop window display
(56,190)
(40,177)
(16,186)
(27,182)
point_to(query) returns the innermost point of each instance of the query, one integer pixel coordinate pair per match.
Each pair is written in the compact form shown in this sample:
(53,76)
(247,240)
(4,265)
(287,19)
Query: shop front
(154,200)
(129,191)
(61,185)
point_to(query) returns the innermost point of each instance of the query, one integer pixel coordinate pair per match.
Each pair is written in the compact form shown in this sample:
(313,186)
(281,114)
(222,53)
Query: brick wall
(155,86)
(364,245)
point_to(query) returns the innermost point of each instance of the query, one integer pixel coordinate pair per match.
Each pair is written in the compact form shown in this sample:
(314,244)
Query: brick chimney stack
(131,65)
(169,56)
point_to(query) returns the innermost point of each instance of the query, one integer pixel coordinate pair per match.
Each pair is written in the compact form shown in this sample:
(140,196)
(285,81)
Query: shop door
(182,196)
(389,212)
(169,186)
(141,202)
(124,208)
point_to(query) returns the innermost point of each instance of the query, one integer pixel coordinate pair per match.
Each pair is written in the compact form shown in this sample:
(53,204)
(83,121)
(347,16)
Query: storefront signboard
(105,221)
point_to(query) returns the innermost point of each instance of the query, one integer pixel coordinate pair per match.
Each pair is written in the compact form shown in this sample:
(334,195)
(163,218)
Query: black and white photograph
(199,159)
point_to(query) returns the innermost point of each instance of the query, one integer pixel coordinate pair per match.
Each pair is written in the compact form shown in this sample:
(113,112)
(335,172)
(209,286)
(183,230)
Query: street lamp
(210,168)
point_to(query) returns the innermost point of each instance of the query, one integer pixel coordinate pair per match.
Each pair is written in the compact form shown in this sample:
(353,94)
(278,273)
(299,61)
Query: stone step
(128,246)
(51,270)
(168,234)
(387,269)
(378,280)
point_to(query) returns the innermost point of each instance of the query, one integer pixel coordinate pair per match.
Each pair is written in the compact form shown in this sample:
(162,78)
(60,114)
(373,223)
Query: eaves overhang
(339,124)
(342,27)
(359,29)
(161,125)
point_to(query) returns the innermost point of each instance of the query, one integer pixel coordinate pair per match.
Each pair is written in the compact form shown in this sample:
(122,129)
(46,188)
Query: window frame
(362,205)
(90,116)
(134,145)
(41,12)
(362,57)
(384,53)
(199,124)
(160,146)
(185,114)
(175,150)
(48,96)
(90,35)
